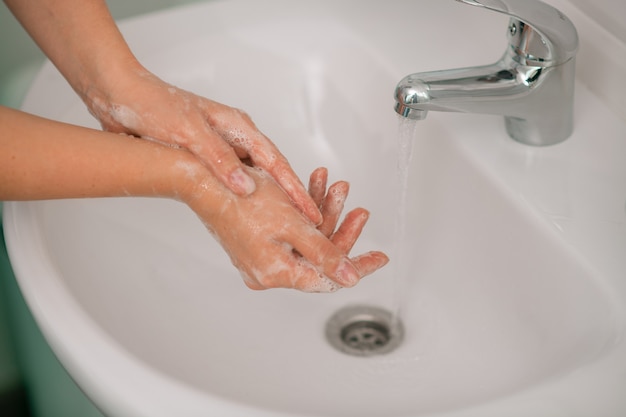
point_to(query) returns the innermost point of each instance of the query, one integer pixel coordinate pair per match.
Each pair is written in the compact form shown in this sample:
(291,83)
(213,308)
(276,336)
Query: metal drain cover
(362,330)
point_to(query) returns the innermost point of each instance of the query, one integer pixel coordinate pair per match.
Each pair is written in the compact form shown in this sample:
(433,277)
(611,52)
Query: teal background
(32,381)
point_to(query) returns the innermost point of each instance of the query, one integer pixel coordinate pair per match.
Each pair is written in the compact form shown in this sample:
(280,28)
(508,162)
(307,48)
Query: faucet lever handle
(539,33)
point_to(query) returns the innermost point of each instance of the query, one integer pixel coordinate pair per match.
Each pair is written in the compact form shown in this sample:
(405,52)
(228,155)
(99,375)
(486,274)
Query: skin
(267,238)
(82,40)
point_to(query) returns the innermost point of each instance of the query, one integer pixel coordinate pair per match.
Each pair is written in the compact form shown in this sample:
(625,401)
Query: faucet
(532,85)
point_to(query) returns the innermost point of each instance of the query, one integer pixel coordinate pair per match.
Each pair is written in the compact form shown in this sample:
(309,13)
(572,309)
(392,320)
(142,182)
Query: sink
(512,297)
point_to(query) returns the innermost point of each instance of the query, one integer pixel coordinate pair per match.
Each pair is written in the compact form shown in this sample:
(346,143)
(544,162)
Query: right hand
(274,246)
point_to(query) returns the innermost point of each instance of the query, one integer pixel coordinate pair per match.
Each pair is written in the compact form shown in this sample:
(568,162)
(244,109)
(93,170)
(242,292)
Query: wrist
(107,84)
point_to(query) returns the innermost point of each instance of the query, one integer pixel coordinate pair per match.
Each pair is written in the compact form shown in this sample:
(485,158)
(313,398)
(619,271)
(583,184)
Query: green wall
(12,393)
(32,382)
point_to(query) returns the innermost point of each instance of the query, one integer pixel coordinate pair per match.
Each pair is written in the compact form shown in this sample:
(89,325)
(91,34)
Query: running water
(400,257)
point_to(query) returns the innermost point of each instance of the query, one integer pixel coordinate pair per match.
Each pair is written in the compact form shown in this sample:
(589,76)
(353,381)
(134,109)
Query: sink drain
(364,331)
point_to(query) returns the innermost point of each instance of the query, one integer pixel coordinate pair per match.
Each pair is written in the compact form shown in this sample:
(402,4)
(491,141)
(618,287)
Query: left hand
(218,135)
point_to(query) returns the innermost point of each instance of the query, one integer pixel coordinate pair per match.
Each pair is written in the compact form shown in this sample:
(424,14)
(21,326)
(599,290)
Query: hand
(274,246)
(220,136)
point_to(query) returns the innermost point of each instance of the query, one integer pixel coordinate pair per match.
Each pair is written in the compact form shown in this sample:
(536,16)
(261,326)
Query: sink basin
(512,297)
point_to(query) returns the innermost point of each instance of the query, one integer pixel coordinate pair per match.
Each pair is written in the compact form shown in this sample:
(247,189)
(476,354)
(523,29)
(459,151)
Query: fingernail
(242,181)
(347,274)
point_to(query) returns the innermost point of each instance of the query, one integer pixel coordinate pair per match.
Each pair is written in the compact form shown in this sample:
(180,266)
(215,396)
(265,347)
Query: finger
(369,262)
(295,273)
(308,279)
(324,256)
(303,276)
(350,229)
(332,206)
(224,163)
(278,167)
(317,185)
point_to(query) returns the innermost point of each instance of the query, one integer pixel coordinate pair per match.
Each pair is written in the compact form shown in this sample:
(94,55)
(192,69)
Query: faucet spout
(533,89)
(468,90)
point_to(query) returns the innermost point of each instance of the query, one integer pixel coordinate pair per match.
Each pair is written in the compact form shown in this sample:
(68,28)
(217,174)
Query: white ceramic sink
(515,301)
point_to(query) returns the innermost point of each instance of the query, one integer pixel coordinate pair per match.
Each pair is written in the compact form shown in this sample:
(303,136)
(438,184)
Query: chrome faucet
(532,85)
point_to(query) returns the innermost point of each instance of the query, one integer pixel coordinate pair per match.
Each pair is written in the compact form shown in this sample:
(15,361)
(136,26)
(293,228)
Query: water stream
(399,252)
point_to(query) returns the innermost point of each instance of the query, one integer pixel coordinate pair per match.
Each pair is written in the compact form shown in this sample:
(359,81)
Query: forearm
(44,159)
(80,38)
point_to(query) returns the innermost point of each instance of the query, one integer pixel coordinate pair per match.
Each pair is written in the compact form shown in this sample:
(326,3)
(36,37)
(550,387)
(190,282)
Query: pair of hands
(276,233)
